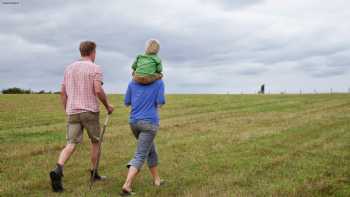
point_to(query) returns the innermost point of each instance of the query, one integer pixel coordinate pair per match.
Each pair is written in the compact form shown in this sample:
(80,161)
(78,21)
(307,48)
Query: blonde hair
(152,46)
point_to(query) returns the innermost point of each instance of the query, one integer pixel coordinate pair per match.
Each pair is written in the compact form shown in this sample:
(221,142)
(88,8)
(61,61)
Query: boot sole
(55,183)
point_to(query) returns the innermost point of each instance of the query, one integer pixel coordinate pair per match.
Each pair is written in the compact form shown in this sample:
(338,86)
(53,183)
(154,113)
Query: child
(148,67)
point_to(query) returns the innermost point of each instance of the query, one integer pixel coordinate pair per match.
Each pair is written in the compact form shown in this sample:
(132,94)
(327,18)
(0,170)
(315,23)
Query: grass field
(209,145)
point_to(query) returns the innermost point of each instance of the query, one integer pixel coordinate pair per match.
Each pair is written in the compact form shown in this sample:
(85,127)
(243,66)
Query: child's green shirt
(147,65)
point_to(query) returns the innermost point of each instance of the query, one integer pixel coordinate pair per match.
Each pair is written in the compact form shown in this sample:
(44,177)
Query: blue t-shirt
(144,100)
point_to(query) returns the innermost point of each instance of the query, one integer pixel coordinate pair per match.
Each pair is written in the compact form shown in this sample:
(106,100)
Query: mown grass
(209,145)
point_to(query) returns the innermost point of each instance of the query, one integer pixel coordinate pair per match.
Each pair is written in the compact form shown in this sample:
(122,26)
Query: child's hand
(159,76)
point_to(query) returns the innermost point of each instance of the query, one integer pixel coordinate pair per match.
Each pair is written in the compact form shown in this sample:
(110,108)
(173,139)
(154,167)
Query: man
(145,101)
(81,87)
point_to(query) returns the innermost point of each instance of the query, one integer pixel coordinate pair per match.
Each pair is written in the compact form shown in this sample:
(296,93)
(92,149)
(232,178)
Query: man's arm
(64,96)
(100,93)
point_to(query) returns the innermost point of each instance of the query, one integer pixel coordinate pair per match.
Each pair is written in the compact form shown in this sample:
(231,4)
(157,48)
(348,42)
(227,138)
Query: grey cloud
(229,4)
(41,37)
(328,73)
(326,66)
(251,71)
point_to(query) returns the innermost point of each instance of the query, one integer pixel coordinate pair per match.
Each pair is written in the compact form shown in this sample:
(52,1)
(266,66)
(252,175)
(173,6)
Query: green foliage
(16,90)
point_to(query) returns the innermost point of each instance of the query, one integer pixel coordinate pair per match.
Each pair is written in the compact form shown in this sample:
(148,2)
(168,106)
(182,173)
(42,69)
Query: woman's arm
(160,96)
(127,99)
(64,96)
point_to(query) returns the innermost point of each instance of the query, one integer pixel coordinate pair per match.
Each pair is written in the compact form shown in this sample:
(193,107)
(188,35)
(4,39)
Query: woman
(144,123)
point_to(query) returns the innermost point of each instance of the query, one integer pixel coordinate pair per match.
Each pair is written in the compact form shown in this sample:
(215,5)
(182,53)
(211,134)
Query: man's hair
(86,48)
(152,46)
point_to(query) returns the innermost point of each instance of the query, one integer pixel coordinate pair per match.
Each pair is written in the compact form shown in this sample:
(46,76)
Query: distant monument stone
(262,89)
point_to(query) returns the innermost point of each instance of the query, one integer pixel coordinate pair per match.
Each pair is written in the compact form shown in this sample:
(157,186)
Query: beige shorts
(76,124)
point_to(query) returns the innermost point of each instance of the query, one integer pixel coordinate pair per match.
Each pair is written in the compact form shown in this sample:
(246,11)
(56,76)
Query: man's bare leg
(132,173)
(94,154)
(155,175)
(66,153)
(57,173)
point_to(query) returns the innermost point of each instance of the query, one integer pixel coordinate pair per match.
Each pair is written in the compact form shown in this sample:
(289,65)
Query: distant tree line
(16,90)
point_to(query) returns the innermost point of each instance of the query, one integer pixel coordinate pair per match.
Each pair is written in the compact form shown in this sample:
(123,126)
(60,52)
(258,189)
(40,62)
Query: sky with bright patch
(207,46)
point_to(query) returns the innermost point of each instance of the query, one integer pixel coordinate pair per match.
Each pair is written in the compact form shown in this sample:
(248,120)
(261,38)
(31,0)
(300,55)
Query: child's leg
(140,79)
(147,79)
(159,75)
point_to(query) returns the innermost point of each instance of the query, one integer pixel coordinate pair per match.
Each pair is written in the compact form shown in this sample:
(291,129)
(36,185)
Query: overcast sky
(207,46)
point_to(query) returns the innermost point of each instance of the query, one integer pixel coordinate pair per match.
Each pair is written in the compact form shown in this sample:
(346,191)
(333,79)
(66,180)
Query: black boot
(97,176)
(56,181)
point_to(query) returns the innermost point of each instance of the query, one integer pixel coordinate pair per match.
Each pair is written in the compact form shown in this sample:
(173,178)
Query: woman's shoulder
(159,82)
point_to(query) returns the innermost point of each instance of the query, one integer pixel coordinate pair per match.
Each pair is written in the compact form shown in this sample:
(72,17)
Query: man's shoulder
(96,68)
(69,67)
(87,64)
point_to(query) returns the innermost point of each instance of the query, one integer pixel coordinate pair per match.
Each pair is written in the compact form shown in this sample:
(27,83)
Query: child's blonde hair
(152,46)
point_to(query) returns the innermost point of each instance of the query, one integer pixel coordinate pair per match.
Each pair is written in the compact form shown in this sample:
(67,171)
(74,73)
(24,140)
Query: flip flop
(161,183)
(126,193)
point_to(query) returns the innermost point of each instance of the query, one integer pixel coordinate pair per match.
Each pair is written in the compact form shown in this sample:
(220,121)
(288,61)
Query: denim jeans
(144,132)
